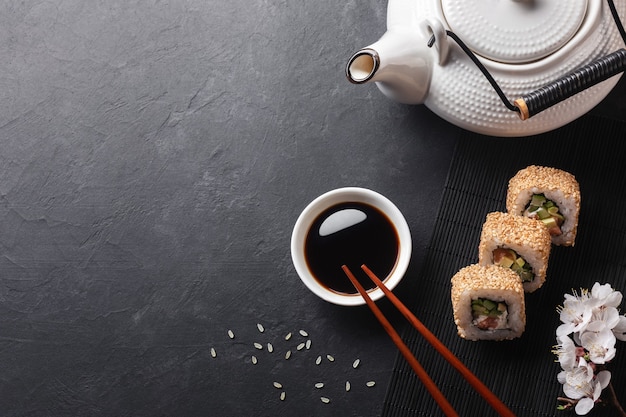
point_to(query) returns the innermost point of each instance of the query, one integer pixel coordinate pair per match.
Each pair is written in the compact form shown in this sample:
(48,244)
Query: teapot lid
(515,31)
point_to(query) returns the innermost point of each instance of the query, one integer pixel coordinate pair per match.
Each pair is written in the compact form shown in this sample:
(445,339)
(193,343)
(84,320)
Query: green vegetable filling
(486,307)
(545,210)
(508,258)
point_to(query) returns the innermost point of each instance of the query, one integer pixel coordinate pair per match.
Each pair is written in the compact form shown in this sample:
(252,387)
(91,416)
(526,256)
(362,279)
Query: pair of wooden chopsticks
(430,385)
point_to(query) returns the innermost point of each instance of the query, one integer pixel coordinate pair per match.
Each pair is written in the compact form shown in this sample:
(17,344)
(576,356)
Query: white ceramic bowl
(330,199)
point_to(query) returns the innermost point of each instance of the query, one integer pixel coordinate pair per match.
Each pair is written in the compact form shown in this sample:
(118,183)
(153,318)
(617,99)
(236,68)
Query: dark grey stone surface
(154,158)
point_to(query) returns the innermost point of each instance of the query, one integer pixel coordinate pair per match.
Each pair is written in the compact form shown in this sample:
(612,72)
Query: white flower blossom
(575,314)
(593,321)
(581,384)
(606,295)
(578,382)
(600,345)
(566,352)
(585,405)
(603,318)
(604,301)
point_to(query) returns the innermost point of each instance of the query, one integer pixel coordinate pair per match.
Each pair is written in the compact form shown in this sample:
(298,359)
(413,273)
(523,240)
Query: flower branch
(590,326)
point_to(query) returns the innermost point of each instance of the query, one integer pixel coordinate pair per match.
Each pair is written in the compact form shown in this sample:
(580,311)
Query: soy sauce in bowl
(353,234)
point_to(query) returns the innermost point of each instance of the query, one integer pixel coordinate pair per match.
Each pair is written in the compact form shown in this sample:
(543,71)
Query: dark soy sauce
(352,234)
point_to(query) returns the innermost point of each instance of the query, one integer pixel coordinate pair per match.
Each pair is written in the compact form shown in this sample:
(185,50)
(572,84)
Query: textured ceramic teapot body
(523,44)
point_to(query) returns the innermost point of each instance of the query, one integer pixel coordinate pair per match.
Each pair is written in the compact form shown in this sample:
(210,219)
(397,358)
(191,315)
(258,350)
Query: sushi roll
(518,243)
(488,303)
(549,195)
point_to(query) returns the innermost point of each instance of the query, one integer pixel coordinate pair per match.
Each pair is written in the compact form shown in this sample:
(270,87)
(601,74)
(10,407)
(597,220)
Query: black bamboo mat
(521,372)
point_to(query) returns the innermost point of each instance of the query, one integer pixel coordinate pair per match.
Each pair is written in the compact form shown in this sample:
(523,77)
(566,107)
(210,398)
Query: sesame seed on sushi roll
(488,303)
(550,195)
(518,243)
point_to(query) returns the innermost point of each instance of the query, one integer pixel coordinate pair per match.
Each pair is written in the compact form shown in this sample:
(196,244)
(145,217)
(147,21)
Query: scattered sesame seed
(303,333)
(288,336)
(288,354)
(330,358)
(370,383)
(325,400)
(308,344)
(270,348)
(356,363)
(213,352)
(347,385)
(300,346)
(278,385)
(260,327)
(282,396)
(231,334)
(258,346)
(319,385)
(254,360)
(318,360)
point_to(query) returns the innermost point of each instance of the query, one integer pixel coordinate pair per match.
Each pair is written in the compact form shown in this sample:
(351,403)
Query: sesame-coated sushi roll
(518,243)
(550,195)
(488,303)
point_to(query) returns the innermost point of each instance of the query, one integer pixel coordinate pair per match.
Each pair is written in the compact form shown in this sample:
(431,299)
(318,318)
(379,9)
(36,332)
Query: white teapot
(498,67)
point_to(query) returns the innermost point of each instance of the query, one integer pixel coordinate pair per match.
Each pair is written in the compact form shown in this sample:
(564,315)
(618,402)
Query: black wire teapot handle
(591,74)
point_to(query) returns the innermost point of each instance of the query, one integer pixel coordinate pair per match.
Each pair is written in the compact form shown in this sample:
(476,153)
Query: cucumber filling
(489,315)
(547,212)
(508,258)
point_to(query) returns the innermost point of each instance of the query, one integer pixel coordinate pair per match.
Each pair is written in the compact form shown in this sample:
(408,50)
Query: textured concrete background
(154,157)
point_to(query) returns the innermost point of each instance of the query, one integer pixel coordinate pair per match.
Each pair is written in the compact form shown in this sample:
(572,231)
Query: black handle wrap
(591,74)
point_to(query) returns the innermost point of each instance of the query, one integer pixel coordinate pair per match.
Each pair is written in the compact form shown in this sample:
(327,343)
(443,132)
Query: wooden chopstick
(473,380)
(476,383)
(406,352)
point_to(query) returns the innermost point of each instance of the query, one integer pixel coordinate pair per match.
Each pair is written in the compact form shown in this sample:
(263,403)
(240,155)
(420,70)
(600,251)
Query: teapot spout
(362,66)
(400,62)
